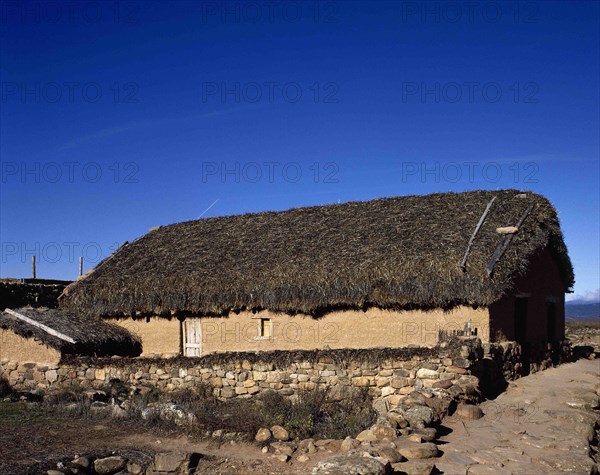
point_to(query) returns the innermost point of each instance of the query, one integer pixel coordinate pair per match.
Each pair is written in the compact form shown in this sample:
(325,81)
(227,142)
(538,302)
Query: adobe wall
(161,337)
(26,350)
(541,281)
(374,328)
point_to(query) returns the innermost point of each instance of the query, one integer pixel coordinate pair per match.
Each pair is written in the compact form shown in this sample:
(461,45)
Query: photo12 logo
(269,12)
(470,92)
(270,172)
(291,92)
(469,12)
(53,252)
(68,172)
(72,13)
(470,172)
(68,92)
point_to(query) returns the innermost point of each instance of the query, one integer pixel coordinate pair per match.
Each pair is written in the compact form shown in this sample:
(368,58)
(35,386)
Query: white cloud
(587,296)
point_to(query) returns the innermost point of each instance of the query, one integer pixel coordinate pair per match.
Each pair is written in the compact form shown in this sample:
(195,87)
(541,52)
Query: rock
(391,455)
(415,438)
(217,434)
(109,465)
(366,436)
(118,412)
(283,457)
(349,444)
(55,472)
(135,469)
(456,370)
(52,376)
(349,465)
(425,373)
(443,384)
(387,391)
(414,468)
(82,462)
(280,433)
(303,458)
(468,412)
(414,450)
(281,447)
(263,435)
(381,431)
(397,418)
(171,462)
(427,434)
(420,416)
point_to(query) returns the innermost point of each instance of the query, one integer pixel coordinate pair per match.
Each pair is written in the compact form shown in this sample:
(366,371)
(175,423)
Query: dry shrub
(310,414)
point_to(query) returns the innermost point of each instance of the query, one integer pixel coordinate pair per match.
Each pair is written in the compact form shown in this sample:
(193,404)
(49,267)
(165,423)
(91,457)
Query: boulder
(427,434)
(383,431)
(414,468)
(413,450)
(366,435)
(109,465)
(391,455)
(468,412)
(303,458)
(171,462)
(349,444)
(419,416)
(262,435)
(349,465)
(280,433)
(286,448)
(82,462)
(135,469)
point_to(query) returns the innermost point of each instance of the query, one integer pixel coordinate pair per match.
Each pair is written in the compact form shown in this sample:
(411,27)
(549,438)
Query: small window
(265,327)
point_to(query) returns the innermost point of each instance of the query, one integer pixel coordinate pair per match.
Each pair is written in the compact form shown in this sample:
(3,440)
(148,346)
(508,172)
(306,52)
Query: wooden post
(33,267)
(80,266)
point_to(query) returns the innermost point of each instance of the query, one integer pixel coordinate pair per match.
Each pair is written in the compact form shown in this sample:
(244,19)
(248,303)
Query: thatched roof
(392,252)
(92,336)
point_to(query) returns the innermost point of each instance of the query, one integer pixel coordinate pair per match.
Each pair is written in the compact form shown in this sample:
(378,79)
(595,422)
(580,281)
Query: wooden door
(192,337)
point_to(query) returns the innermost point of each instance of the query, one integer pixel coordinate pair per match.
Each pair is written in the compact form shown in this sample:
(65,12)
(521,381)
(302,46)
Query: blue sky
(117,117)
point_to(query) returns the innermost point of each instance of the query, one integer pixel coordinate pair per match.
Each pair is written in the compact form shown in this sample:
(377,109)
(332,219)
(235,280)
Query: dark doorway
(520,319)
(551,320)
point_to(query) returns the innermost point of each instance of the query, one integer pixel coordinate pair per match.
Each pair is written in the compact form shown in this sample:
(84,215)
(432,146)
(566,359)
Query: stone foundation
(452,369)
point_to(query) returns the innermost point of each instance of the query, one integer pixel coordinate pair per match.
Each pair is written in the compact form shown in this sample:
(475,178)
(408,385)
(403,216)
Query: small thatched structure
(91,336)
(403,252)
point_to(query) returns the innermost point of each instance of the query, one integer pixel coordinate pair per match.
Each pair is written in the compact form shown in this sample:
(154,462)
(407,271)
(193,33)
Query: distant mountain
(575,309)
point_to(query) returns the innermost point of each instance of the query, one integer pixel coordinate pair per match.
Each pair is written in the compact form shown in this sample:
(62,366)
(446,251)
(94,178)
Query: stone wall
(507,361)
(389,374)
(453,369)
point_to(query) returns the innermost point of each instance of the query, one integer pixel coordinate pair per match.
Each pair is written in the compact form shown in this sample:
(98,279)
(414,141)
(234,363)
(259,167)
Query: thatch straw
(92,336)
(393,252)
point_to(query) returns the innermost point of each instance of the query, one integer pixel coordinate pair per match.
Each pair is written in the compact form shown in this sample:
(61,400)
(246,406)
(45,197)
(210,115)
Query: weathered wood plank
(463,263)
(41,326)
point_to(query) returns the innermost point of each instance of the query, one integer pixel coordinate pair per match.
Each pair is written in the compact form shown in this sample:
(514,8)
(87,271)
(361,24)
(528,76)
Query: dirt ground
(32,442)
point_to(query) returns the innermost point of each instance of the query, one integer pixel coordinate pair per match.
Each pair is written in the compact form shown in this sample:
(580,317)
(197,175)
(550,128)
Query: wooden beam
(463,263)
(33,267)
(41,326)
(503,243)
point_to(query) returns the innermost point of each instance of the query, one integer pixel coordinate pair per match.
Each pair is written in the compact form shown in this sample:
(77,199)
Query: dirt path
(542,424)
